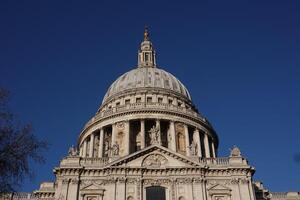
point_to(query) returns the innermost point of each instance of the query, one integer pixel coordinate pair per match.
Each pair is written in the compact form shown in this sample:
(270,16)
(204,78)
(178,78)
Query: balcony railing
(94,161)
(221,161)
(141,106)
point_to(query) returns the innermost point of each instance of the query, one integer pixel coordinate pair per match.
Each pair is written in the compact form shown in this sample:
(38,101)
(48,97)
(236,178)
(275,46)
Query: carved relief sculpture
(154,160)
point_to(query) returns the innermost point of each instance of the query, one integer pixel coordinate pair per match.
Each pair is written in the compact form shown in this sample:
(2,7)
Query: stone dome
(147,77)
(144,107)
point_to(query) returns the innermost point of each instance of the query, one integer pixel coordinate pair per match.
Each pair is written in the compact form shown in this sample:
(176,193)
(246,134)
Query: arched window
(130,198)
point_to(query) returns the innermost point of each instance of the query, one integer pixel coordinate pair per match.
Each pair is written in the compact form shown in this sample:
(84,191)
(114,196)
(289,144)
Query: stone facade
(148,141)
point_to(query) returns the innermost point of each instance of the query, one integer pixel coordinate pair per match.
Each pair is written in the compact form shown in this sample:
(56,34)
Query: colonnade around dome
(126,137)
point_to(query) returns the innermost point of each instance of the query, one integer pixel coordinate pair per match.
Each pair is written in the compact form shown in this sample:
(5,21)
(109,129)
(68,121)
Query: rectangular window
(160,100)
(146,57)
(127,101)
(138,100)
(149,99)
(118,104)
(170,101)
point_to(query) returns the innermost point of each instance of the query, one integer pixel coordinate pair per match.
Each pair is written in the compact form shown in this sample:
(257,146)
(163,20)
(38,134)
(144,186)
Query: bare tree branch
(18,145)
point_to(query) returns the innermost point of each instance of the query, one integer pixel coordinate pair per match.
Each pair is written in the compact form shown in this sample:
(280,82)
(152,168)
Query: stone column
(197,141)
(200,142)
(127,138)
(158,126)
(84,148)
(143,138)
(91,145)
(187,140)
(80,150)
(206,146)
(172,136)
(101,142)
(213,149)
(113,135)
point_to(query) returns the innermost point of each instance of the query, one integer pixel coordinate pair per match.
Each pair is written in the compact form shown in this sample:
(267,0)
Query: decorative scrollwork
(120,125)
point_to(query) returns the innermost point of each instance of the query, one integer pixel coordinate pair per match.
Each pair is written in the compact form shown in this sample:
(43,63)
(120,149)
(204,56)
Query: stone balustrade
(220,161)
(278,195)
(285,196)
(18,196)
(94,161)
(147,106)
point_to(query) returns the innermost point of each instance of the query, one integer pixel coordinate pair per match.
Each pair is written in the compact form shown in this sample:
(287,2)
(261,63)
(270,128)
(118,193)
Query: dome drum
(125,137)
(138,95)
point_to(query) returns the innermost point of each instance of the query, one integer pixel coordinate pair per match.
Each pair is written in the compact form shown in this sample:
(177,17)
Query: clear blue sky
(240,61)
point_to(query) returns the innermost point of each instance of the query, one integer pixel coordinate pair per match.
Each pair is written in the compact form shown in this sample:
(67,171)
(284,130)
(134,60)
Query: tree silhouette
(18,146)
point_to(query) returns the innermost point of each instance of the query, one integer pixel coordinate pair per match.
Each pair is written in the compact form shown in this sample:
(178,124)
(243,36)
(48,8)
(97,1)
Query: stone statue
(72,151)
(106,147)
(235,152)
(169,137)
(115,150)
(154,134)
(193,148)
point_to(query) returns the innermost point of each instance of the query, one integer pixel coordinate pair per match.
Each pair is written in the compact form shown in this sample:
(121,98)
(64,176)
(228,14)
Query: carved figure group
(72,151)
(154,134)
(115,150)
(193,148)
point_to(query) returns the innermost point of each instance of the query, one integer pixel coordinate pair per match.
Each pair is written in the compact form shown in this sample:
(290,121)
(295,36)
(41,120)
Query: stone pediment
(218,187)
(155,157)
(91,187)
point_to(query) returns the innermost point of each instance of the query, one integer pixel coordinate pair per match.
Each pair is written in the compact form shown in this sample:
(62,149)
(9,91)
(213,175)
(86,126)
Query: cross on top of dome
(146,54)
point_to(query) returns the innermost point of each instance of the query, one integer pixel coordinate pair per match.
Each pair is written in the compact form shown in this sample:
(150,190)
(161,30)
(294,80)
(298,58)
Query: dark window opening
(149,99)
(138,100)
(127,101)
(155,193)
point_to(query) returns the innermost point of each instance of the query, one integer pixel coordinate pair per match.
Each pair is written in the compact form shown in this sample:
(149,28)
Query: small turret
(146,54)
